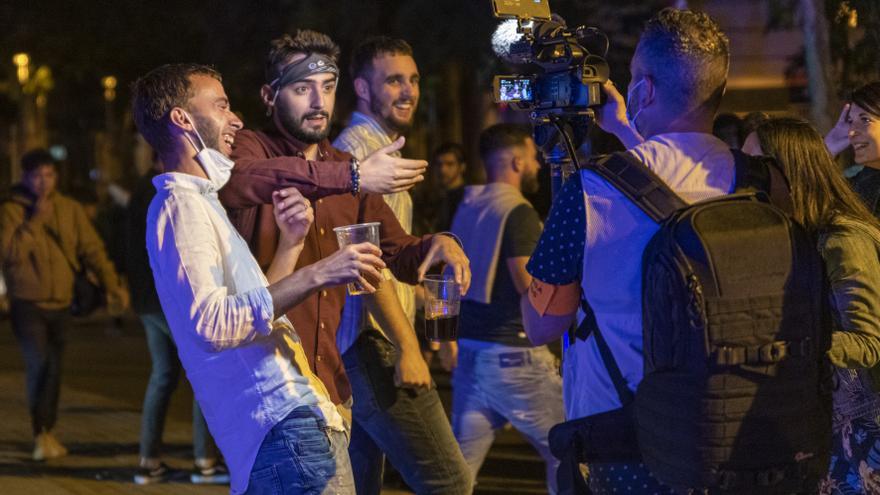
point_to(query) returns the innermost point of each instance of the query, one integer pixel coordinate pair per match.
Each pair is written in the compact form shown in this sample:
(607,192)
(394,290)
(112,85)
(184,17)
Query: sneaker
(217,474)
(147,476)
(46,446)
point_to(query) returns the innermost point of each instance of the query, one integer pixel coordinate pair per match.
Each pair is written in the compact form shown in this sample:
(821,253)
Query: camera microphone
(510,44)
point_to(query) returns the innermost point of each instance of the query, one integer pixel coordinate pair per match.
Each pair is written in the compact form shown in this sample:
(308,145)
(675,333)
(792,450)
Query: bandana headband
(314,63)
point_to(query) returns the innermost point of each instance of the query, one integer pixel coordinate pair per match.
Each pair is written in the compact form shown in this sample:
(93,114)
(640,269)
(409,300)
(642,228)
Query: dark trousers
(40,334)
(409,426)
(164,377)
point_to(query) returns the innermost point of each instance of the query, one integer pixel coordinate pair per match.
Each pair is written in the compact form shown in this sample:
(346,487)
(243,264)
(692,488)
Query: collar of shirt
(376,129)
(171,180)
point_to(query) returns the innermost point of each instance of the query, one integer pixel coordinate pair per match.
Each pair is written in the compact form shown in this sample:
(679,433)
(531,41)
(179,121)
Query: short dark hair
(500,137)
(868,97)
(367,50)
(157,92)
(35,159)
(306,41)
(688,55)
(450,147)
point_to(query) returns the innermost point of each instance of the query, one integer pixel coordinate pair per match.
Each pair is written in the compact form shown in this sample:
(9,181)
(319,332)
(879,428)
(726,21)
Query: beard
(530,184)
(209,132)
(294,126)
(390,121)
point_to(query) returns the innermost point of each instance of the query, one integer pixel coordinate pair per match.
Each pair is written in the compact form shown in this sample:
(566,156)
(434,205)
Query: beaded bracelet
(355,166)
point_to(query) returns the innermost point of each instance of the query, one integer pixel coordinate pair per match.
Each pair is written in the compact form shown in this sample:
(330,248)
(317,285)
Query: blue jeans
(302,456)
(494,384)
(40,334)
(163,380)
(408,425)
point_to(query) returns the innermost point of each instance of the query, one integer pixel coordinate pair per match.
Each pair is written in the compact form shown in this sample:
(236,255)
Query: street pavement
(106,367)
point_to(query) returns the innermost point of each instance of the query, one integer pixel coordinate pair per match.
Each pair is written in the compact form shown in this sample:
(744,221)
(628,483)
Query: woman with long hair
(848,238)
(859,127)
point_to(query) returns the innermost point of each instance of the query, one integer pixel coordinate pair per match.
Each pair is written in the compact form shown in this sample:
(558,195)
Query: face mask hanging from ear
(629,115)
(217,166)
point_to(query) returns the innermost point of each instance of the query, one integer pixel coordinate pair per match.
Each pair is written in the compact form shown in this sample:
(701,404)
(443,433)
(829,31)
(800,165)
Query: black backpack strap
(639,183)
(590,326)
(762,173)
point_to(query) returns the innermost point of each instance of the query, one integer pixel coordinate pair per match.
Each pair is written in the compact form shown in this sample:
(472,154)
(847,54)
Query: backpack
(736,394)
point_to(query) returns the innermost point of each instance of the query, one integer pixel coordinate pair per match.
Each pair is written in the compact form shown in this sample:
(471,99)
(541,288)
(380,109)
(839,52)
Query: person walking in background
(45,239)
(165,373)
(849,241)
(437,199)
(501,377)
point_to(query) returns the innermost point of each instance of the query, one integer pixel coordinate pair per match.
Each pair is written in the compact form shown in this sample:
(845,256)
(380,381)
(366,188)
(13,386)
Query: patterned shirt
(595,236)
(364,136)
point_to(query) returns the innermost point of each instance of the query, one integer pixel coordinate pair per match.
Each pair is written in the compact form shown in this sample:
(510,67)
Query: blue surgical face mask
(629,115)
(217,166)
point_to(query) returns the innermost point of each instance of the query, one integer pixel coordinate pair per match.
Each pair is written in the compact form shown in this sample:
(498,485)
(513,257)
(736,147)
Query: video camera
(570,78)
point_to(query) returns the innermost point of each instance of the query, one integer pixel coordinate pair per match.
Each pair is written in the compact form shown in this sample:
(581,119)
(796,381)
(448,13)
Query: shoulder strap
(57,240)
(762,173)
(640,184)
(589,326)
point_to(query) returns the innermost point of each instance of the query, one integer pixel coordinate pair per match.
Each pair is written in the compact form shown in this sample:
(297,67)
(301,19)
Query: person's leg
(31,331)
(524,385)
(163,381)
(367,460)
(301,456)
(473,422)
(56,328)
(409,425)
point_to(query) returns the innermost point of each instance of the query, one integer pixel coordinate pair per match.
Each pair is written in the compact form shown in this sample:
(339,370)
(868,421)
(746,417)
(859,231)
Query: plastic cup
(356,234)
(442,304)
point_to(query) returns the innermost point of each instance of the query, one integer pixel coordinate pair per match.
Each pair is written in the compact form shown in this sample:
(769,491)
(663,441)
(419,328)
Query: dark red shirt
(266,161)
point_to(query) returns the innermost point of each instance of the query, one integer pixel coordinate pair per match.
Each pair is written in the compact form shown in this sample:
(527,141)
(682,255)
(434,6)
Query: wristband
(355,168)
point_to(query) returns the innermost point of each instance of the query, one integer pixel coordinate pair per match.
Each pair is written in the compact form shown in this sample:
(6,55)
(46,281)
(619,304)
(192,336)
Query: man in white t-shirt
(594,237)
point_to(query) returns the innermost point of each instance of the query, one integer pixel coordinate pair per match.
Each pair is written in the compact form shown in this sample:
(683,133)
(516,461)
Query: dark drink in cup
(441,328)
(442,301)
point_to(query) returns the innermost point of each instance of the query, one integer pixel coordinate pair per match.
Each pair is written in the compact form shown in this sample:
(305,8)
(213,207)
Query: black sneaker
(217,474)
(147,476)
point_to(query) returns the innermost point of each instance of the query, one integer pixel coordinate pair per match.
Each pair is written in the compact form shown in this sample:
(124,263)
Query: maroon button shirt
(266,161)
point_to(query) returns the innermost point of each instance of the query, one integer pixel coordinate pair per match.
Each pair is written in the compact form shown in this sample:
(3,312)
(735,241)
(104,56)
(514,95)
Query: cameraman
(592,244)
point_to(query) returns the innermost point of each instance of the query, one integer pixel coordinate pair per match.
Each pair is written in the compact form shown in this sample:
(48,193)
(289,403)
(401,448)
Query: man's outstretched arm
(256,175)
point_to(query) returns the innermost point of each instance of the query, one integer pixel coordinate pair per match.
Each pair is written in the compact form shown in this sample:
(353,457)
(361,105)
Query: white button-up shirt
(247,368)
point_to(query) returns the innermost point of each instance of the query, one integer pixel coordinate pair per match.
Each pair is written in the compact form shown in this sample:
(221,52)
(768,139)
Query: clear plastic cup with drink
(442,302)
(357,234)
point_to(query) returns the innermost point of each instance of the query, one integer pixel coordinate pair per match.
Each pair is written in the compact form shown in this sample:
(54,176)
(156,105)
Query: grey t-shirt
(501,320)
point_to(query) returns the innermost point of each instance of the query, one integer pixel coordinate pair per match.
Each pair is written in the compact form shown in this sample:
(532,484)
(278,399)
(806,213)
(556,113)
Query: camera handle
(554,135)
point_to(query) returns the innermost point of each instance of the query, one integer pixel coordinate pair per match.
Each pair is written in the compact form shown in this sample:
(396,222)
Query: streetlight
(22,63)
(109,85)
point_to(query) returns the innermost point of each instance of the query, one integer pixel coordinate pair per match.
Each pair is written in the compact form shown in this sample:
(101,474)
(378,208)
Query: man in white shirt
(269,414)
(594,237)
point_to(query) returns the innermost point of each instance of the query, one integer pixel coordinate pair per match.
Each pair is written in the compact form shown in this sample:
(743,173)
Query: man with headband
(300,96)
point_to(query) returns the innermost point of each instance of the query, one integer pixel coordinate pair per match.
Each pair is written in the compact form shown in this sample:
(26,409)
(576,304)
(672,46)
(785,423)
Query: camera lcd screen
(514,89)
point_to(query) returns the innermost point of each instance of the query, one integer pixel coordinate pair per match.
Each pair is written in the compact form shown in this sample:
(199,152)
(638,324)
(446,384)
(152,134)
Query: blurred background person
(45,239)
(858,127)
(500,376)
